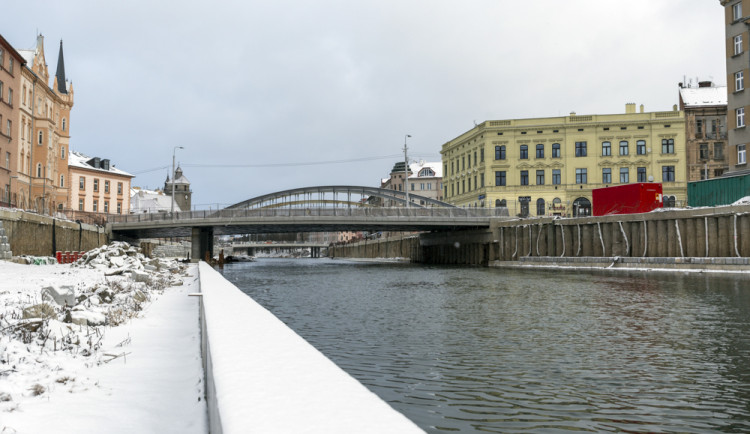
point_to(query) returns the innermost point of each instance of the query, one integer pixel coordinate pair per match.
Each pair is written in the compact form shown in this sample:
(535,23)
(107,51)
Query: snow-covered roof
(150,201)
(416,169)
(77,159)
(28,56)
(704,96)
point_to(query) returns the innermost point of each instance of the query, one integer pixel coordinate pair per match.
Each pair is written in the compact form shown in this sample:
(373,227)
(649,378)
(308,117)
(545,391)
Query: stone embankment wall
(33,234)
(396,247)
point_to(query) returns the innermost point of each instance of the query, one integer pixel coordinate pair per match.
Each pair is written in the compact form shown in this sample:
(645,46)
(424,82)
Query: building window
(10,97)
(463,162)
(41,137)
(64,124)
(741,154)
(556,176)
(738,45)
(555,150)
(8,128)
(737,11)
(624,175)
(475,158)
(667,173)
(540,177)
(667,146)
(580,149)
(481,155)
(81,183)
(80,204)
(62,180)
(703,151)
(106,206)
(469,161)
(740,114)
(500,203)
(119,207)
(7,160)
(524,177)
(718,151)
(38,170)
(540,151)
(540,206)
(62,152)
(96,205)
(500,178)
(739,81)
(606,175)
(624,148)
(119,188)
(524,152)
(581,176)
(640,147)
(481,181)
(500,152)
(641,174)
(11,64)
(469,181)
(606,149)
(96,184)
(106,186)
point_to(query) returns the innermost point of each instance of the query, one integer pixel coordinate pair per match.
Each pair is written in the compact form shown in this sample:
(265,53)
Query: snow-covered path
(156,388)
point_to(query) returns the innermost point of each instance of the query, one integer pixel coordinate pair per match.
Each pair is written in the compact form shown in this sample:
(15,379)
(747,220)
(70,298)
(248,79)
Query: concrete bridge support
(202,244)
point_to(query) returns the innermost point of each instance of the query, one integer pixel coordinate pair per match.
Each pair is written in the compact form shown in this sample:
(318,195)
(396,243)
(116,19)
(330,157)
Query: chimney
(641,108)
(630,108)
(705,84)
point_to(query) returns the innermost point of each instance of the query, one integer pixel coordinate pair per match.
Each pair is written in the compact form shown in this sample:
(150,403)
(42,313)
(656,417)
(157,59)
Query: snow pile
(59,320)
(744,201)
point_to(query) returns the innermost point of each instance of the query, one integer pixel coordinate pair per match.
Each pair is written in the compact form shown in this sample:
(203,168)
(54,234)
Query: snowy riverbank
(111,344)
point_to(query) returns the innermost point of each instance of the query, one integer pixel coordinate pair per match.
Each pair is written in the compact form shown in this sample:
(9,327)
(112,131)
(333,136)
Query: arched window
(426,172)
(41,137)
(669,201)
(540,207)
(500,203)
(581,207)
(38,170)
(555,150)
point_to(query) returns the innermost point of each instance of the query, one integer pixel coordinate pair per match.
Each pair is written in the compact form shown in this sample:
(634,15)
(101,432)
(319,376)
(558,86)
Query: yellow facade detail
(548,166)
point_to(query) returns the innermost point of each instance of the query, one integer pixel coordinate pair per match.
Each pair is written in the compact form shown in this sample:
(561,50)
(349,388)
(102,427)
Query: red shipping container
(627,198)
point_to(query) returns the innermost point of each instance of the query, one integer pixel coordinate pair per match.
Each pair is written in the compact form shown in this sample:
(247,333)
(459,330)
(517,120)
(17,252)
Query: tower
(182,193)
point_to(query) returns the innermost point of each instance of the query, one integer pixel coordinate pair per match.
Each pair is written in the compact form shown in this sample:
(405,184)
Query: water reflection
(506,351)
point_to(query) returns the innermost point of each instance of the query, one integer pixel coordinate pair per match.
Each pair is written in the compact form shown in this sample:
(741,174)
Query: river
(491,350)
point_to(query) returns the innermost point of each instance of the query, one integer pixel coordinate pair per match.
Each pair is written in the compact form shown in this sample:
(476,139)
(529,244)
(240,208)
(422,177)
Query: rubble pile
(73,317)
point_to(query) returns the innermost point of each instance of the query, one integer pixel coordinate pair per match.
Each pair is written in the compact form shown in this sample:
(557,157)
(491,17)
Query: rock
(62,295)
(87,317)
(42,310)
(140,276)
(117,261)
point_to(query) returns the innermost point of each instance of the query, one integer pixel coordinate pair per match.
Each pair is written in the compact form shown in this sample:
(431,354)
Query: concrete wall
(396,247)
(34,234)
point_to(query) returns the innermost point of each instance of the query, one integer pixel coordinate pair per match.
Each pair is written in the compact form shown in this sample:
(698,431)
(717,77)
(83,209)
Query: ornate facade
(11,64)
(548,166)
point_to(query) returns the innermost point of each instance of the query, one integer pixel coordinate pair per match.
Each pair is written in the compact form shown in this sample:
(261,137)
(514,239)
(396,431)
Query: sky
(271,95)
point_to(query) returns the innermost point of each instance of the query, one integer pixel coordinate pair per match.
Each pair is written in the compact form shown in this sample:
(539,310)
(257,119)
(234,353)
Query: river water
(489,350)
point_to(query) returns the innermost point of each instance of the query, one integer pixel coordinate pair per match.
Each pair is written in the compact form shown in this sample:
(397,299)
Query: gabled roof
(416,168)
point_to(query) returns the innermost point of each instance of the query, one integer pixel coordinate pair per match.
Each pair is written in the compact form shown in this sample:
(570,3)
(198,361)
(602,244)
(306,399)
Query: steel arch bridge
(330,195)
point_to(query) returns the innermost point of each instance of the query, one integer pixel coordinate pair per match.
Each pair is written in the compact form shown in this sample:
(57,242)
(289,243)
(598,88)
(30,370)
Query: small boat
(239,258)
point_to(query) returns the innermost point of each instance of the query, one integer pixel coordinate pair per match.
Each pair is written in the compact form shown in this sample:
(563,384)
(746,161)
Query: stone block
(61,295)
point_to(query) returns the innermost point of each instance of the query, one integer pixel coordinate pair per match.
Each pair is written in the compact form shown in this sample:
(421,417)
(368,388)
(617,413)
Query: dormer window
(426,172)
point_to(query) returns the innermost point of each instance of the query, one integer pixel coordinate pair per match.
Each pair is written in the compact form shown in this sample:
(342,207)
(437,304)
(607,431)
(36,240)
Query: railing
(313,213)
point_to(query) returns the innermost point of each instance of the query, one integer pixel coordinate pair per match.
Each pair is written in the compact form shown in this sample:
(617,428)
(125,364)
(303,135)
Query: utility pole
(406,171)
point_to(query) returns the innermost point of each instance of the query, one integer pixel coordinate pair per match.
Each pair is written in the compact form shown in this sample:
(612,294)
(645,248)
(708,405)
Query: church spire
(60,74)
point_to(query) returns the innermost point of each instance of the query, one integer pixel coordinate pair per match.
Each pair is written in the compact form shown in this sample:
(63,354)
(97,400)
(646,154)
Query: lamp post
(174,151)
(406,171)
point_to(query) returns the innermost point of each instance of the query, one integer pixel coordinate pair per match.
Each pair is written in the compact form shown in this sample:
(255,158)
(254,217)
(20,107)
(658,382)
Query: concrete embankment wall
(34,234)
(263,377)
(659,239)
(395,247)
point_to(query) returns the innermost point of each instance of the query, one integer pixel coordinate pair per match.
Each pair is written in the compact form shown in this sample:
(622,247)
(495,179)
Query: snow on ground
(110,344)
(744,201)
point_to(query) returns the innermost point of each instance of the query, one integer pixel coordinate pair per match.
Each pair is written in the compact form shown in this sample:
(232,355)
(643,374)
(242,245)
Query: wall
(33,234)
(396,247)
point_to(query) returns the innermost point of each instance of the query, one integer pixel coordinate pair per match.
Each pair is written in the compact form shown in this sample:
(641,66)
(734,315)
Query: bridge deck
(277,220)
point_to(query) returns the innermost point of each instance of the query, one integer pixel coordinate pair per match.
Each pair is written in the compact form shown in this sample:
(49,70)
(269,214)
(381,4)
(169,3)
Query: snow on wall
(268,379)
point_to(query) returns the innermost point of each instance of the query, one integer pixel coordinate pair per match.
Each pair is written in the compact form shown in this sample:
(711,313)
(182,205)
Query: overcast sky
(283,84)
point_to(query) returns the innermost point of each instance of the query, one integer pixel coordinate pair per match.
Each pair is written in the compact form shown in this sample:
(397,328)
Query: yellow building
(548,166)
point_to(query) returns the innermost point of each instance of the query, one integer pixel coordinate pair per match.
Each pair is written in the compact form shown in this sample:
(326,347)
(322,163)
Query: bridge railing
(396,212)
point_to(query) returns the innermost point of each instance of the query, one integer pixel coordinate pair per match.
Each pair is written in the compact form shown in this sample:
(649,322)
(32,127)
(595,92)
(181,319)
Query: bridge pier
(202,243)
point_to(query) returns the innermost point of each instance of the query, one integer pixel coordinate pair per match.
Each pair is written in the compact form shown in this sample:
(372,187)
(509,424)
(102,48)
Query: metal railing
(396,212)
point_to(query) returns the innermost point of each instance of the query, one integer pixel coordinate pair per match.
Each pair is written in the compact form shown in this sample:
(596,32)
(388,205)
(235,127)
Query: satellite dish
(651,178)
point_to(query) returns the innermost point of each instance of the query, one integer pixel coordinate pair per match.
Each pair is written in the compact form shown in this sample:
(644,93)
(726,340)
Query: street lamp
(174,151)
(406,171)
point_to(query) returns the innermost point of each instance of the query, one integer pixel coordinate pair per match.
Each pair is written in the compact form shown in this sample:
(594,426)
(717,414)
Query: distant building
(98,186)
(548,166)
(425,179)
(150,201)
(44,127)
(705,107)
(738,70)
(182,194)
(11,63)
